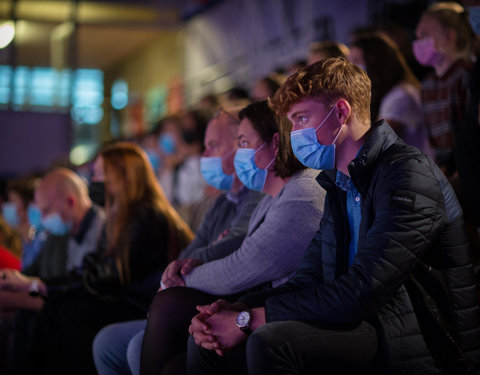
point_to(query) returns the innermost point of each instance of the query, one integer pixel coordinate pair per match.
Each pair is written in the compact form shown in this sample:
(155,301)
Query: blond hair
(451,15)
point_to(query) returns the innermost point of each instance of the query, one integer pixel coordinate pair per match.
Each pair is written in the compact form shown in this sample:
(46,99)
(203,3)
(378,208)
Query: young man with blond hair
(386,285)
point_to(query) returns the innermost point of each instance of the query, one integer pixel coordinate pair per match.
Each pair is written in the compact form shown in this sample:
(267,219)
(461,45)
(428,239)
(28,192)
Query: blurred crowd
(213,202)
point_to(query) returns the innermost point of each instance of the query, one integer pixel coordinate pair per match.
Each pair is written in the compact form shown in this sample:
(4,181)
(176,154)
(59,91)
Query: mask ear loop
(271,161)
(341,128)
(228,153)
(262,146)
(325,119)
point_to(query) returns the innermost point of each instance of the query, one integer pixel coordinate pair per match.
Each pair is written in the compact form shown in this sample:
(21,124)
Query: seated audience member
(9,238)
(117,347)
(295,65)
(263,89)
(74,228)
(8,260)
(25,217)
(143,232)
(395,90)
(192,195)
(169,137)
(208,105)
(237,97)
(269,253)
(181,146)
(73,223)
(149,144)
(386,285)
(96,184)
(324,50)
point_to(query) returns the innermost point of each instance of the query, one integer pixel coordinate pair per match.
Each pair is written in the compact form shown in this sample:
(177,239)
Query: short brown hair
(329,80)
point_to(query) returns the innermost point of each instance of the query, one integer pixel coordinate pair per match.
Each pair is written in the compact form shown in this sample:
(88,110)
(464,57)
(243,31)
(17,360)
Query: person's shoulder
(303,185)
(459,71)
(404,158)
(305,177)
(220,199)
(251,197)
(254,195)
(465,65)
(99,212)
(146,212)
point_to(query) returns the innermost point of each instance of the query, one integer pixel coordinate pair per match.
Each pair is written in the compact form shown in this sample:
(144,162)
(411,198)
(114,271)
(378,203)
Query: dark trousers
(166,334)
(292,348)
(58,339)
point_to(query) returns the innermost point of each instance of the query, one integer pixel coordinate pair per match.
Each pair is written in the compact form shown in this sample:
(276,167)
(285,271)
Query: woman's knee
(134,351)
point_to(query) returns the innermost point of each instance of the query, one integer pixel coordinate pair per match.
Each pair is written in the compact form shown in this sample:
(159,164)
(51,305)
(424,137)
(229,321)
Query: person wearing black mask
(96,187)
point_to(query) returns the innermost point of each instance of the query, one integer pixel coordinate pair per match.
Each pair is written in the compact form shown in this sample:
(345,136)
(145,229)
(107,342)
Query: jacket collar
(380,137)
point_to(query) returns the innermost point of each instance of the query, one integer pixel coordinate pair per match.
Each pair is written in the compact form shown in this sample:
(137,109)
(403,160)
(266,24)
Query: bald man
(74,223)
(75,226)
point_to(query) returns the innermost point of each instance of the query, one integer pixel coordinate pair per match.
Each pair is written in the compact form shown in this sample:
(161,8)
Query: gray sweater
(273,246)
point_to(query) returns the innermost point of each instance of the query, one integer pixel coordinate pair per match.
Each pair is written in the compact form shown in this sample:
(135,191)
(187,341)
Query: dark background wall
(32,141)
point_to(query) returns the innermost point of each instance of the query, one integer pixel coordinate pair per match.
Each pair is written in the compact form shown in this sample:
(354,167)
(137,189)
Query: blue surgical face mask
(247,171)
(212,172)
(34,216)
(166,142)
(309,151)
(474,16)
(154,159)
(10,214)
(55,225)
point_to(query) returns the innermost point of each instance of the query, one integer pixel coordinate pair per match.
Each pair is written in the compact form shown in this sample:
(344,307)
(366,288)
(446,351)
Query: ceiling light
(7,32)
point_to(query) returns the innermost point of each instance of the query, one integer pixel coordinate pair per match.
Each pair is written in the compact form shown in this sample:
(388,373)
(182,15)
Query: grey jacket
(273,246)
(229,216)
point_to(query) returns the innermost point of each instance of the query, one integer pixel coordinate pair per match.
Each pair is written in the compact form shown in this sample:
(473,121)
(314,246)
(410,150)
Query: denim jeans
(117,348)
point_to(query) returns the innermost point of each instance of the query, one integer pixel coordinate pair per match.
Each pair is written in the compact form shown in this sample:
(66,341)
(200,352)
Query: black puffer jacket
(412,251)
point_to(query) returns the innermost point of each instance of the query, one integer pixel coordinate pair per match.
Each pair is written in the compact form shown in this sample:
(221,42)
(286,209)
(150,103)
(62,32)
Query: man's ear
(343,111)
(71,200)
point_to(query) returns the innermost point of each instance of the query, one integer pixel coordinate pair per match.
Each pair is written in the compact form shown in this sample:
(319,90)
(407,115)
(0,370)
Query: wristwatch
(244,321)
(34,289)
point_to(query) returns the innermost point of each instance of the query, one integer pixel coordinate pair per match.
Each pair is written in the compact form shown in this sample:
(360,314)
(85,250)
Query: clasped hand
(172,276)
(214,327)
(14,281)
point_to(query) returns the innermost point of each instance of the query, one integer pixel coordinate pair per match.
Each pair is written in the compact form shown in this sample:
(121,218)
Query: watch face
(243,319)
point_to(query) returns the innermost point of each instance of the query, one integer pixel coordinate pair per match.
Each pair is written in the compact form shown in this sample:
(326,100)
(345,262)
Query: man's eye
(302,120)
